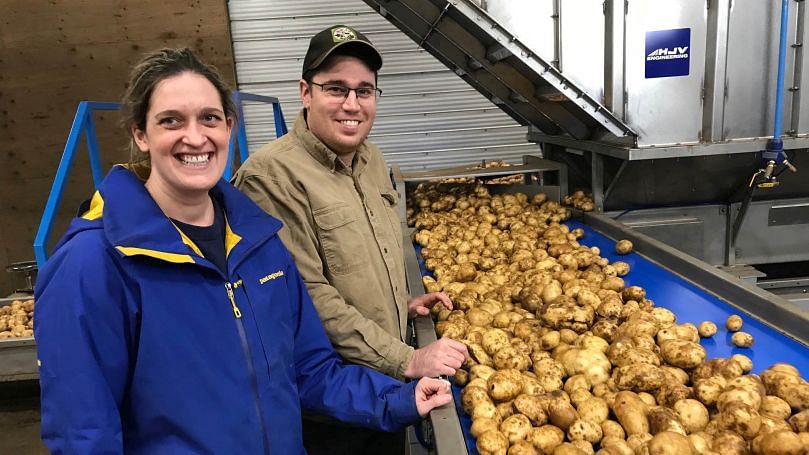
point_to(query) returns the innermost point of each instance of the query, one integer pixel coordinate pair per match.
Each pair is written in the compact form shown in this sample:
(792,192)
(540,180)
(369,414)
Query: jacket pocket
(341,239)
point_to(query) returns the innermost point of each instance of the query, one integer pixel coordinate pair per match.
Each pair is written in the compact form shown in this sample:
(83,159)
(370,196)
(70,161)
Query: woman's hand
(432,393)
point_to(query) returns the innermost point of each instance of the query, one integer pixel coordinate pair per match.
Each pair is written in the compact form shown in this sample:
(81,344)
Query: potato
(494,340)
(522,448)
(479,317)
(621,268)
(693,415)
(479,354)
(669,443)
(631,412)
(734,323)
(774,407)
(614,446)
(701,443)
(612,429)
(505,409)
(492,442)
(626,355)
(623,247)
(584,430)
(577,381)
(509,357)
(708,390)
(638,377)
(613,283)
(594,410)
(531,407)
(647,398)
(562,414)
(636,293)
(781,443)
(461,377)
(504,385)
(671,392)
(546,438)
(707,329)
(682,354)
(662,419)
(745,362)
(800,421)
(742,339)
(746,395)
(676,375)
(471,396)
(804,438)
(568,448)
(515,427)
(480,371)
(485,409)
(579,396)
(531,386)
(482,425)
(728,442)
(637,442)
(586,447)
(740,418)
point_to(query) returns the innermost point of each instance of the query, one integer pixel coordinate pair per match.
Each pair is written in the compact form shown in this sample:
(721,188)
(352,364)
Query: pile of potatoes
(17,319)
(579,200)
(568,359)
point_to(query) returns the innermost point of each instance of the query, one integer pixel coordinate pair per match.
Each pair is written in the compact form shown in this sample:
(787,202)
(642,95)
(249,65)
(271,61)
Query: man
(331,188)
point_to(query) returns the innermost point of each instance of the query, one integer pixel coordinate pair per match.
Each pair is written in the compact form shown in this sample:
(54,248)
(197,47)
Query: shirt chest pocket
(342,239)
(390,200)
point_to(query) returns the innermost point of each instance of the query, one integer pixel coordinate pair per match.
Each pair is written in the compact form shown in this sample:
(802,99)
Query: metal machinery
(664,109)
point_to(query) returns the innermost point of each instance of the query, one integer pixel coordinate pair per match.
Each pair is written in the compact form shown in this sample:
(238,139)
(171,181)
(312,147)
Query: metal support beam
(597,179)
(797,74)
(716,53)
(614,48)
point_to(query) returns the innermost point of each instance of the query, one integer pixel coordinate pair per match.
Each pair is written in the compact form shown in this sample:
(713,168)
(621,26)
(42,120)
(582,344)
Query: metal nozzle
(769,169)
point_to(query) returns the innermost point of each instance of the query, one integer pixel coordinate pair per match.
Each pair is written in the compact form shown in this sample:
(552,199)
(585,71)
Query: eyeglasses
(340,92)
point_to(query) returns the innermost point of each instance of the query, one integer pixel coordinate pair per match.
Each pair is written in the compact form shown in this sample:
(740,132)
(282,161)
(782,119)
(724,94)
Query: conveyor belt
(689,303)
(692,304)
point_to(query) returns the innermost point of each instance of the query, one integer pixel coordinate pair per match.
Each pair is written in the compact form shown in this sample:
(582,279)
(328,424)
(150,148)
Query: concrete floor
(19,419)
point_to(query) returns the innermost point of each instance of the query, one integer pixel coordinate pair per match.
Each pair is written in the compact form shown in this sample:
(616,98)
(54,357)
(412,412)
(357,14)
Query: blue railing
(83,125)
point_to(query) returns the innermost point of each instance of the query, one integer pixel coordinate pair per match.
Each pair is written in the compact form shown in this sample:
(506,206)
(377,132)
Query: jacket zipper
(251,369)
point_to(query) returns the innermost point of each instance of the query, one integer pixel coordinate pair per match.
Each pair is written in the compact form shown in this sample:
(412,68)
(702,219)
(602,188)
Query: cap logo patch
(340,34)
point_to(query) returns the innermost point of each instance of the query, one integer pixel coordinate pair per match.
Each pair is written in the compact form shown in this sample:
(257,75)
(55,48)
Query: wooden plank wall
(55,53)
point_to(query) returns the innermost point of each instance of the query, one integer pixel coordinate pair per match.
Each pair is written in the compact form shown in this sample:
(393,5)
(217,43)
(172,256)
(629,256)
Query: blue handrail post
(83,125)
(92,149)
(58,187)
(774,151)
(239,136)
(280,124)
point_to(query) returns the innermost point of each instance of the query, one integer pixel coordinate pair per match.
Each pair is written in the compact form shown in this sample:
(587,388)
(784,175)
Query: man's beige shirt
(343,229)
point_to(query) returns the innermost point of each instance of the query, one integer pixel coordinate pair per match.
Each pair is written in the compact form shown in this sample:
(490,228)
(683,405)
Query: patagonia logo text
(271,276)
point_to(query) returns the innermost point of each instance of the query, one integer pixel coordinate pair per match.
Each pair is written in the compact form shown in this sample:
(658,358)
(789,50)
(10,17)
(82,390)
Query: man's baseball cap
(325,42)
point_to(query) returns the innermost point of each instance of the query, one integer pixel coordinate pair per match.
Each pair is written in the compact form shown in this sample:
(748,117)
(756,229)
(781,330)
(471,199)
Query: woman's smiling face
(186,136)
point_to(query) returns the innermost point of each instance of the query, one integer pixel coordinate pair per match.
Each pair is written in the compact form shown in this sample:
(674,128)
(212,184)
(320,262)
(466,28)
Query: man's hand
(431,393)
(441,357)
(420,306)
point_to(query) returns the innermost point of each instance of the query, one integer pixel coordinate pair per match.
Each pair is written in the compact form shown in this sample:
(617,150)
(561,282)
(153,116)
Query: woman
(171,318)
